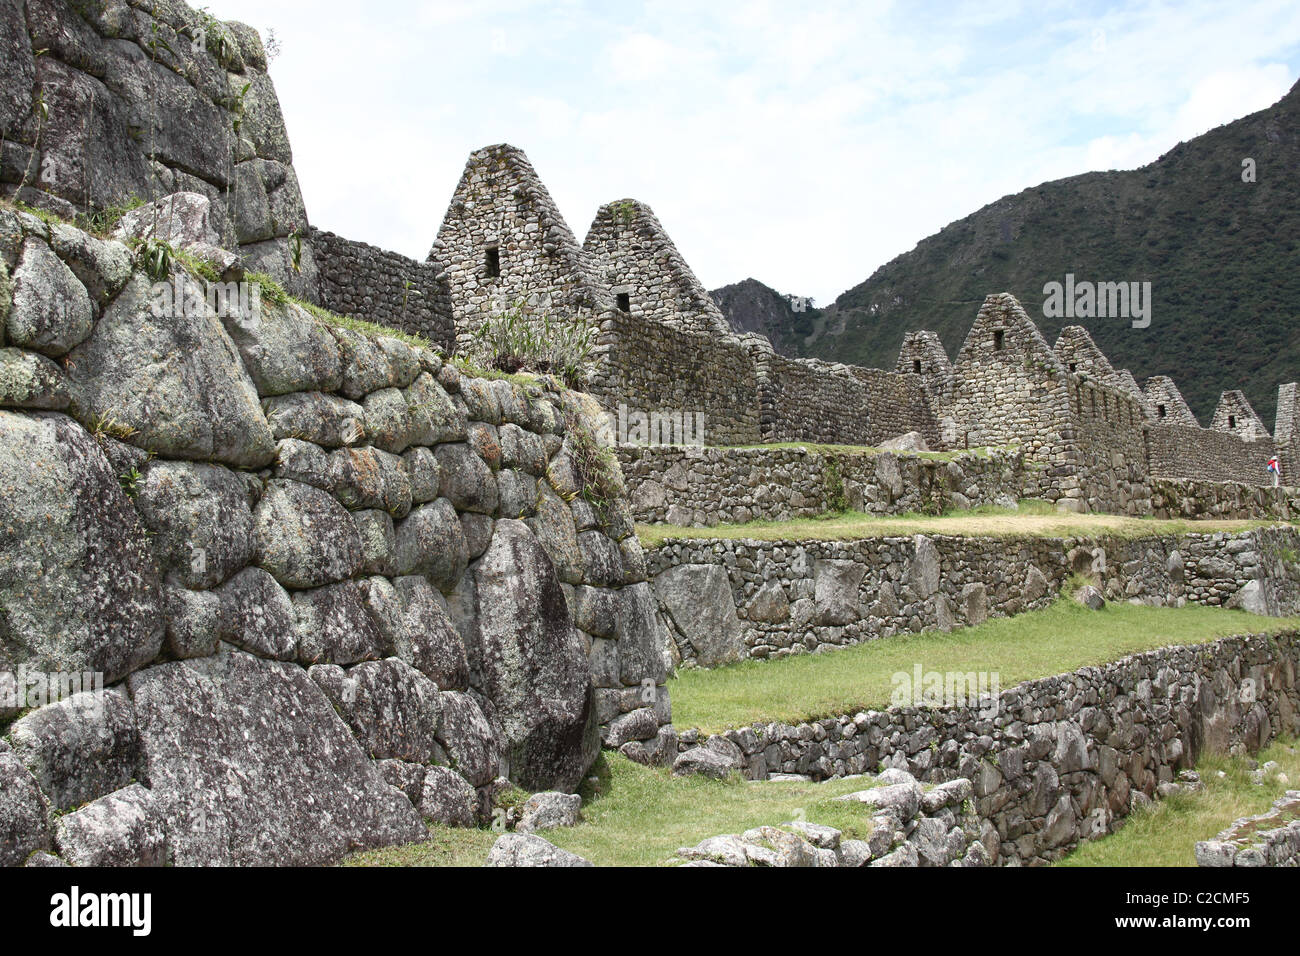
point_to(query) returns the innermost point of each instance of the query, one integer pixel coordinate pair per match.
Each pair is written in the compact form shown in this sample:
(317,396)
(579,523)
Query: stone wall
(143,100)
(646,366)
(366,282)
(898,403)
(1193,453)
(1228,500)
(319,563)
(1267,839)
(1062,759)
(807,399)
(701,487)
(773,598)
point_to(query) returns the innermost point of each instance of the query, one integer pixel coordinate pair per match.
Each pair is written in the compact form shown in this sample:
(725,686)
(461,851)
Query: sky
(803,144)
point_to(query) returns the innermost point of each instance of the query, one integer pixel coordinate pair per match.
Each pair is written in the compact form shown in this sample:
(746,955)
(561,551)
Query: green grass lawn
(640,816)
(1033,519)
(1061,638)
(1166,833)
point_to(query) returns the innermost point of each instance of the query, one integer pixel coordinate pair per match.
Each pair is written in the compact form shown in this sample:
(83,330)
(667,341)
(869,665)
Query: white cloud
(804,145)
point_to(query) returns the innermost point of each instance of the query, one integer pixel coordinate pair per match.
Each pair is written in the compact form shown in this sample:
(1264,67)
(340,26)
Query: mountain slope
(1223,257)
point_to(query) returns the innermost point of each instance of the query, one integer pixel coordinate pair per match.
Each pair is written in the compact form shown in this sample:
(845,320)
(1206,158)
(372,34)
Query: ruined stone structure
(323,557)
(1062,759)
(503,244)
(1165,403)
(646,274)
(730,599)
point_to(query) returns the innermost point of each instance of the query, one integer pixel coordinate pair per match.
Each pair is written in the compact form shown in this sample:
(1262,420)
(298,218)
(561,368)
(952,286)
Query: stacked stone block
(371,588)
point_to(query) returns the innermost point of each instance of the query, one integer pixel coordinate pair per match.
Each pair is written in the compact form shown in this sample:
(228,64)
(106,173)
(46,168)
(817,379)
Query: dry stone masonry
(325,558)
(730,599)
(1269,839)
(1057,761)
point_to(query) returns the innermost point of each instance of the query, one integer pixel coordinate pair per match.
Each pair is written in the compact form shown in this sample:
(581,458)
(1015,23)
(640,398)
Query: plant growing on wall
(516,340)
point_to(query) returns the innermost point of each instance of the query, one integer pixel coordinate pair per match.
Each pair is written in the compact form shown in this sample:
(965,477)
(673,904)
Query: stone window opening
(624,301)
(1074,367)
(916,366)
(999,339)
(1232,421)
(1161,411)
(492,261)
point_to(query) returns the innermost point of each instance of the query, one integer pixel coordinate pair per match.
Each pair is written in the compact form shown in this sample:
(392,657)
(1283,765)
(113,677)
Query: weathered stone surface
(391,707)
(837,584)
(533,663)
(176,381)
(702,760)
(334,625)
(258,616)
(424,474)
(325,420)
(284,349)
(437,418)
(406,777)
(303,536)
(28,380)
(429,641)
(181,218)
(77,578)
(642,641)
(699,599)
(1090,598)
(526,849)
(23,829)
(193,621)
(430,541)
(250,764)
(548,810)
(370,478)
(79,748)
(923,573)
(769,605)
(447,798)
(466,480)
(555,530)
(102,266)
(125,828)
(466,736)
(198,518)
(51,310)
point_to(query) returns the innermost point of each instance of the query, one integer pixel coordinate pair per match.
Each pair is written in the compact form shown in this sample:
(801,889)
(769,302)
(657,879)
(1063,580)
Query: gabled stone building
(503,244)
(645,273)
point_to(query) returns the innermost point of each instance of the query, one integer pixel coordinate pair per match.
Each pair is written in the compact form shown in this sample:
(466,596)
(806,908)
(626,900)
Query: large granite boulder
(79,748)
(171,383)
(77,578)
(249,764)
(304,537)
(533,663)
(698,596)
(199,521)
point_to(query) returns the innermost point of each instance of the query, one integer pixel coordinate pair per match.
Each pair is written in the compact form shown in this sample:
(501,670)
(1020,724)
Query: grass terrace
(1032,519)
(639,816)
(1061,638)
